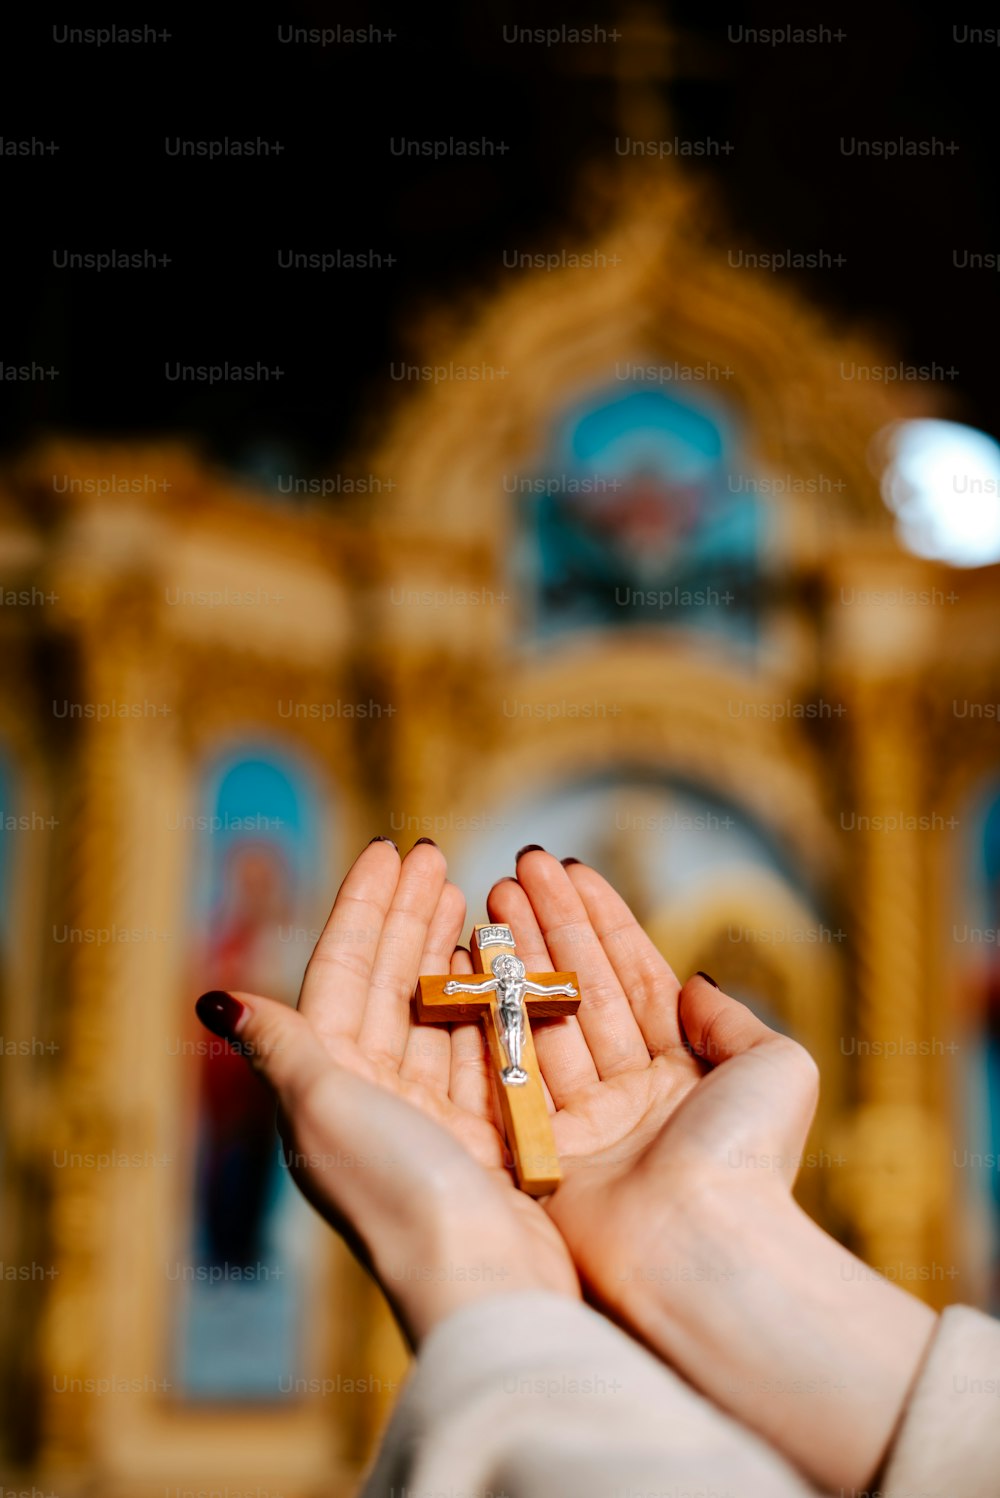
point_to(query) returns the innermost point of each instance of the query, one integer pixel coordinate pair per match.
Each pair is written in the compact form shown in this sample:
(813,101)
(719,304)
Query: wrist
(465,1253)
(785,1328)
(668,1238)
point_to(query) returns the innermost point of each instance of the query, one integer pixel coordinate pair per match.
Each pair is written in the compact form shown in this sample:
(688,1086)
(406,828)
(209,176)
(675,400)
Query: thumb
(319,1121)
(360,1143)
(326,1114)
(278,1042)
(331,1106)
(719,1027)
(754,1107)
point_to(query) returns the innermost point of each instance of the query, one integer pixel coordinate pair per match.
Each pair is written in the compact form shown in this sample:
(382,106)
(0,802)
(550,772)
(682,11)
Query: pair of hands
(664,1099)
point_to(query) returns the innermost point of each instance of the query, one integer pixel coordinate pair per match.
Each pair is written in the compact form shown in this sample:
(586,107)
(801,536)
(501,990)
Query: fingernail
(567,861)
(381,839)
(429,840)
(529,848)
(708,978)
(219,1012)
(506,879)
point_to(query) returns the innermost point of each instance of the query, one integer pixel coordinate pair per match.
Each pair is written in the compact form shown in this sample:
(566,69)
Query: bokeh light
(942,481)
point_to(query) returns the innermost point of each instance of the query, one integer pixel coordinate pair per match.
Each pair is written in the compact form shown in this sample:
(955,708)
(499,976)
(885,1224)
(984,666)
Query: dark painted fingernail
(381,839)
(219,1012)
(708,978)
(429,840)
(567,861)
(528,848)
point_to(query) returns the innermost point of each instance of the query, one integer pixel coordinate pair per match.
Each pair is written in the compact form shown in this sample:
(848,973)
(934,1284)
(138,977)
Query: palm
(388,925)
(617,1117)
(479,1135)
(477,1131)
(615,1074)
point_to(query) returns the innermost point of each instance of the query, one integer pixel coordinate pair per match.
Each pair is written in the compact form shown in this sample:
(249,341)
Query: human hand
(373,1135)
(635,1075)
(676,1203)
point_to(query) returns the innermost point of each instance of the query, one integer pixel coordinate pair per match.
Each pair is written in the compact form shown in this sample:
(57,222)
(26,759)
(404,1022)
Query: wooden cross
(501,999)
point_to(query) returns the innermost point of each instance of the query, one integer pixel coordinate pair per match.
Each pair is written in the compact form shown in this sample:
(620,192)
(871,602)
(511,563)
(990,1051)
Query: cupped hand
(646,1113)
(681,1119)
(616,1071)
(376,1131)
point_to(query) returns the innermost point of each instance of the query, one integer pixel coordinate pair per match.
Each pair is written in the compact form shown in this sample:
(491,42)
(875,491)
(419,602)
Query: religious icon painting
(976,943)
(244,1273)
(642,512)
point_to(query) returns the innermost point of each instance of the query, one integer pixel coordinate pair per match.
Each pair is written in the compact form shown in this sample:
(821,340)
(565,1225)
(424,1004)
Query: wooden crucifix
(502,1000)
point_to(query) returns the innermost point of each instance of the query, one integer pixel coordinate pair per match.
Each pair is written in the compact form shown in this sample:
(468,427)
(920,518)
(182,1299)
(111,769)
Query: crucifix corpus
(502,1000)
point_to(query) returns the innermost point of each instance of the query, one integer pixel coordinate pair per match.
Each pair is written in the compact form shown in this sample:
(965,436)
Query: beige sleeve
(948,1443)
(536,1395)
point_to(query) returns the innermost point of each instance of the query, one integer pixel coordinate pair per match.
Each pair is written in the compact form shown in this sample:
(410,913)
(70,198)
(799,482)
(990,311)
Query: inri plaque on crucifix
(504,999)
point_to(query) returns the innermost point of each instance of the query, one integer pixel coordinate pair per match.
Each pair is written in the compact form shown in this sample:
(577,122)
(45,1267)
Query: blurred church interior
(661,588)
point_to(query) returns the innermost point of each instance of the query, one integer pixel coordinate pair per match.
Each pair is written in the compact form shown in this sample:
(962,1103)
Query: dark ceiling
(898,223)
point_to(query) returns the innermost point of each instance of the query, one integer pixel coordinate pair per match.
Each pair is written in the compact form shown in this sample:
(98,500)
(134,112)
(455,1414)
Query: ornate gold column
(882,618)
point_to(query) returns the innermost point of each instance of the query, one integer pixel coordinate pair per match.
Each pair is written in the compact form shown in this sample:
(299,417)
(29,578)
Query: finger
(278,1041)
(469,1084)
(647,979)
(562,1050)
(717,1026)
(766,1084)
(605,1015)
(335,986)
(386,1020)
(427,1055)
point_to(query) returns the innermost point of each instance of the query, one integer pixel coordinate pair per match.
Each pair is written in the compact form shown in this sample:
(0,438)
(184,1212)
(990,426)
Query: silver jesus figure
(511,985)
